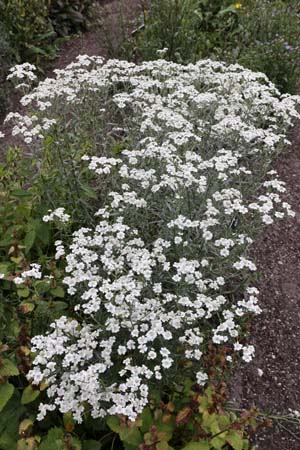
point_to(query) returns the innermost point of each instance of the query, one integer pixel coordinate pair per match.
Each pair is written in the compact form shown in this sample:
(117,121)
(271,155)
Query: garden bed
(270,381)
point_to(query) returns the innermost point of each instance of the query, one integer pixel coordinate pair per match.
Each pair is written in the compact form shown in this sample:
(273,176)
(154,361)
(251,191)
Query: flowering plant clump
(155,280)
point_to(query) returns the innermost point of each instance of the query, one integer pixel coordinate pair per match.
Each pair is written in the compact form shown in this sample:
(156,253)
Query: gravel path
(276,332)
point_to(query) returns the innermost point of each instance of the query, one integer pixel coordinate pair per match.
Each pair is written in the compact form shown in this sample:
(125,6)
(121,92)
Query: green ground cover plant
(126,286)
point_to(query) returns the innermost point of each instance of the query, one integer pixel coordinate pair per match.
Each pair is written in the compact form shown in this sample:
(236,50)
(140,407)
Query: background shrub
(69,16)
(33,25)
(5,62)
(28,28)
(269,41)
(263,36)
(188,29)
(30,31)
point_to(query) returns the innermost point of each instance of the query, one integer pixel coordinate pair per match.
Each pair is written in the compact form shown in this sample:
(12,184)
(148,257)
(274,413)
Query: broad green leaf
(5,268)
(20,193)
(54,440)
(148,438)
(48,140)
(42,286)
(197,446)
(29,394)
(218,442)
(57,306)
(43,233)
(8,368)
(9,422)
(128,446)
(113,423)
(7,442)
(5,242)
(17,259)
(210,422)
(224,421)
(165,427)
(162,446)
(91,445)
(6,392)
(147,420)
(23,293)
(235,439)
(29,239)
(131,436)
(246,444)
(57,292)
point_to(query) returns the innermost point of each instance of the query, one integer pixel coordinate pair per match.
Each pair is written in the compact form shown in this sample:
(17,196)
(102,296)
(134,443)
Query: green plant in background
(269,41)
(187,29)
(5,62)
(29,29)
(32,26)
(69,16)
(263,36)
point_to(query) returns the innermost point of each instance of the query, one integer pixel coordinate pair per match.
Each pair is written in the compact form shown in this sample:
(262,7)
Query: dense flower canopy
(154,279)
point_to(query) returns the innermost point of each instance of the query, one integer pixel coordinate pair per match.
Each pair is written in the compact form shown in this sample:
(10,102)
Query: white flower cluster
(22,71)
(29,126)
(153,280)
(60,249)
(33,272)
(58,214)
(294,413)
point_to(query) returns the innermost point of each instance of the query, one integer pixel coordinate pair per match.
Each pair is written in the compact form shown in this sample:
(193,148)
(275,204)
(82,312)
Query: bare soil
(276,332)
(116,20)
